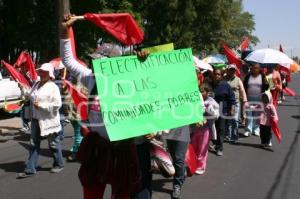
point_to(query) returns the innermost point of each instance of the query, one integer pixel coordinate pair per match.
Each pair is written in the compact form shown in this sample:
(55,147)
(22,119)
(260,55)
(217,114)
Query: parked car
(10,92)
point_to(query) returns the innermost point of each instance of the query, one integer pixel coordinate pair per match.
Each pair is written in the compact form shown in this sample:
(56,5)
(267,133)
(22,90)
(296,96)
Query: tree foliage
(201,24)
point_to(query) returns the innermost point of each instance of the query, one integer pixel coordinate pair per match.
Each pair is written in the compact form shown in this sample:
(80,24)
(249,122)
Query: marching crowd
(229,100)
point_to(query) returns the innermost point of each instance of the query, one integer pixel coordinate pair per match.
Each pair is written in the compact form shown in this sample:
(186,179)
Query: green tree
(222,21)
(28,25)
(203,25)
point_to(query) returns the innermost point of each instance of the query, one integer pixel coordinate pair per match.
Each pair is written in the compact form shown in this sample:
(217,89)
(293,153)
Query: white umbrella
(269,56)
(201,64)
(215,59)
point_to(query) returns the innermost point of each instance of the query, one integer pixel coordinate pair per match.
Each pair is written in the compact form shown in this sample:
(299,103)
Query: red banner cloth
(280,48)
(121,25)
(191,161)
(245,43)
(25,59)
(80,100)
(16,75)
(232,58)
(276,130)
(289,91)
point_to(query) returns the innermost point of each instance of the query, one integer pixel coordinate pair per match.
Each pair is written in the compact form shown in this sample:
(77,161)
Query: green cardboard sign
(139,98)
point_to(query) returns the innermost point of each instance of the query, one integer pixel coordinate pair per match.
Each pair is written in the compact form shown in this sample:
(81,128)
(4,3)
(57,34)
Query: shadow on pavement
(158,184)
(257,146)
(296,117)
(288,166)
(13,167)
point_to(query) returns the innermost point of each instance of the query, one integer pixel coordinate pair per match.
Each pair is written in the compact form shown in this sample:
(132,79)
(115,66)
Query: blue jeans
(233,124)
(177,151)
(252,117)
(77,136)
(61,133)
(25,122)
(35,141)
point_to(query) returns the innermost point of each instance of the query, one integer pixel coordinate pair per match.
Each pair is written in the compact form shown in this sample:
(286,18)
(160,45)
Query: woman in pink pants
(202,133)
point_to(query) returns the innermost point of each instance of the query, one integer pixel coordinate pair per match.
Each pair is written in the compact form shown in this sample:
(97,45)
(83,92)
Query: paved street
(245,171)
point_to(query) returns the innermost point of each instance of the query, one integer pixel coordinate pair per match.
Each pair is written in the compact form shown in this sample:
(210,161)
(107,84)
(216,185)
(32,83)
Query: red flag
(288,77)
(245,43)
(16,75)
(71,35)
(80,101)
(25,58)
(121,25)
(276,130)
(232,58)
(280,48)
(289,91)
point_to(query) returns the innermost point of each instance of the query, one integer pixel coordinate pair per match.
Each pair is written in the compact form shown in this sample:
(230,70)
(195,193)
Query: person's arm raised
(67,22)
(76,69)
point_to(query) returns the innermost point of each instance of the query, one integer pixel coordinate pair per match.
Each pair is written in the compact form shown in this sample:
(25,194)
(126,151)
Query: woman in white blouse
(45,101)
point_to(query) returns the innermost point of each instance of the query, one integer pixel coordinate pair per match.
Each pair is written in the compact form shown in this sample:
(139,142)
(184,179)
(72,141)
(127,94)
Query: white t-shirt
(254,86)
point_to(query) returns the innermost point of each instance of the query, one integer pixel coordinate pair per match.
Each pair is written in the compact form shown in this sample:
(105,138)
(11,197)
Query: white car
(10,92)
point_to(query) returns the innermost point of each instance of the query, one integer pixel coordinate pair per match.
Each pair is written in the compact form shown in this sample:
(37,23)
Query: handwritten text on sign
(138,98)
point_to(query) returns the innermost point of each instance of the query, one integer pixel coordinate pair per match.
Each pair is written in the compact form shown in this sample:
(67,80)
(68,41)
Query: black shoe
(24,175)
(176,192)
(233,142)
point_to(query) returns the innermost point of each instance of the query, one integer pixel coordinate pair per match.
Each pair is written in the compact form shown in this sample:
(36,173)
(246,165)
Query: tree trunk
(63,8)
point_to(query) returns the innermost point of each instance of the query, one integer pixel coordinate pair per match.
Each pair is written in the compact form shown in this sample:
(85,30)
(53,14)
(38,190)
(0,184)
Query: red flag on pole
(280,48)
(276,130)
(288,76)
(25,58)
(121,25)
(16,75)
(245,43)
(80,100)
(232,58)
(289,91)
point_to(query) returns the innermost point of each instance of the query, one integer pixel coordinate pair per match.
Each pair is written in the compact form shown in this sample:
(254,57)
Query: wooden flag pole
(78,17)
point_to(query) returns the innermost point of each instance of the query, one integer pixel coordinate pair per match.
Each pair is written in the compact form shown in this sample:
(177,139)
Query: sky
(277,22)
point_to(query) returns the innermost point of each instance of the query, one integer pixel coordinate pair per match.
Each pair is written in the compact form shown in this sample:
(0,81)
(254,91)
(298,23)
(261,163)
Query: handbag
(161,161)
